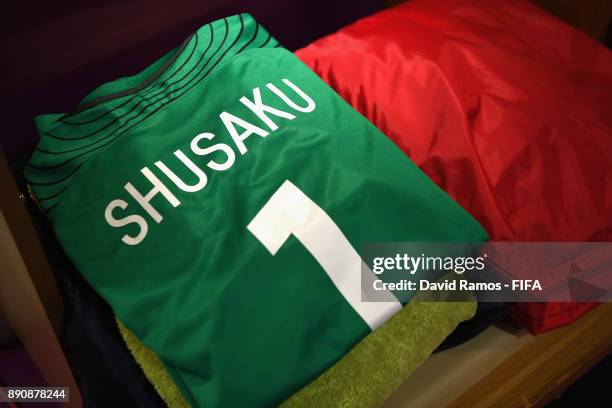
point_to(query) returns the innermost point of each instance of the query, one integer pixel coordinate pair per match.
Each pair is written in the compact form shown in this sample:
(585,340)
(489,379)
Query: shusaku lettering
(200,146)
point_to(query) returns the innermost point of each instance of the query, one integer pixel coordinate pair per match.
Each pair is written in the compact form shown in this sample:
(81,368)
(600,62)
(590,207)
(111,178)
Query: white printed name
(201,145)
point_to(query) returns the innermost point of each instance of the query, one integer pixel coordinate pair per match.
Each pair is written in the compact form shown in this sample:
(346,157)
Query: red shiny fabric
(505,107)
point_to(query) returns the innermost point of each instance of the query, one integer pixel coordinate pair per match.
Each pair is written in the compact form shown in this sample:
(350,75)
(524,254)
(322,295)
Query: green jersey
(218,200)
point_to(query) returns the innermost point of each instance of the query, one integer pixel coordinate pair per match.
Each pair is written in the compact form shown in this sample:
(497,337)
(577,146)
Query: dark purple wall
(294,23)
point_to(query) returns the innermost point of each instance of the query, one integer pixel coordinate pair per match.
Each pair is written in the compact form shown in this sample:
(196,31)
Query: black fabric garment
(487,314)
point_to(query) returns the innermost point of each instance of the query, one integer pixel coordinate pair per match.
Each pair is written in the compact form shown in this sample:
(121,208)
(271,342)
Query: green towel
(366,375)
(378,364)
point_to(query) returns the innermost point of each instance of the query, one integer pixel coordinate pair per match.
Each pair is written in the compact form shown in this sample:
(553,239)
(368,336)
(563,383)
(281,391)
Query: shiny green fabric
(234,325)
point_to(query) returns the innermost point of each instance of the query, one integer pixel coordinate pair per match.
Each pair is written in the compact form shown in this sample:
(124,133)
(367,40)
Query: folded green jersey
(218,201)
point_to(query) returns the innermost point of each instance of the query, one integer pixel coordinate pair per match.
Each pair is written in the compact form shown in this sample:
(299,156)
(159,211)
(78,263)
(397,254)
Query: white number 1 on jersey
(290,211)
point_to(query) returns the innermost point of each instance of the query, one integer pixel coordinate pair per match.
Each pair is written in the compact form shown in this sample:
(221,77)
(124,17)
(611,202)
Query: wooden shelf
(502,368)
(545,366)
